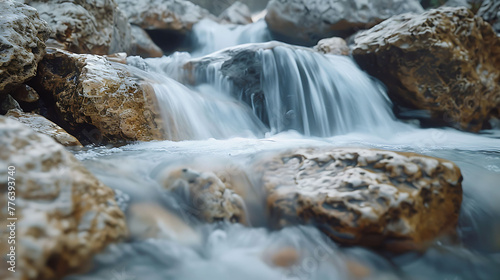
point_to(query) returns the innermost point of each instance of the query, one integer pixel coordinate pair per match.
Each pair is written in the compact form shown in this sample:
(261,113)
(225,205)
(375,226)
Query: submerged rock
(102,100)
(365,197)
(237,13)
(22,44)
(306,22)
(334,45)
(64,214)
(206,196)
(42,125)
(490,11)
(446,61)
(86,26)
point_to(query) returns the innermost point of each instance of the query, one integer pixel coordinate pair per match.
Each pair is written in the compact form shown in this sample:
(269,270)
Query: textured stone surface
(9,103)
(22,44)
(25,93)
(490,11)
(44,126)
(446,61)
(365,197)
(238,13)
(65,215)
(205,195)
(173,15)
(142,45)
(86,26)
(334,45)
(306,22)
(216,7)
(91,93)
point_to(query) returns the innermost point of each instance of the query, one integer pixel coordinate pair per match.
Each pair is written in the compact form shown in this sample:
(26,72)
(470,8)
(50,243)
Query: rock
(334,45)
(172,15)
(64,214)
(86,26)
(90,93)
(490,11)
(22,44)
(143,45)
(147,220)
(285,257)
(217,7)
(9,103)
(42,125)
(25,93)
(205,196)
(454,75)
(373,198)
(306,22)
(237,13)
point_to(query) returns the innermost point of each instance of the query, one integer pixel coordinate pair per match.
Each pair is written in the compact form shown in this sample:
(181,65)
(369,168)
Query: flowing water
(311,100)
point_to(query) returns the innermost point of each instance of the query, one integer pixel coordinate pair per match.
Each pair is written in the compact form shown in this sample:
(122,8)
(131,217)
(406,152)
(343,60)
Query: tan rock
(446,61)
(92,92)
(86,26)
(65,215)
(334,45)
(42,125)
(285,257)
(373,198)
(205,195)
(143,45)
(22,44)
(25,93)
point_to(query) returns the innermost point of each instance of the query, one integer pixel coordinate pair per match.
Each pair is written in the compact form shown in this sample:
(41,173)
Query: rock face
(142,45)
(334,45)
(22,44)
(99,99)
(306,22)
(64,214)
(172,15)
(490,11)
(454,75)
(44,126)
(238,13)
(206,196)
(86,26)
(365,197)
(218,6)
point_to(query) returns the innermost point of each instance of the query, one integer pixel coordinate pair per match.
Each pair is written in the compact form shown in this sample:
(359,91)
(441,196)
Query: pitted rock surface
(22,44)
(65,215)
(335,45)
(206,196)
(308,21)
(366,197)
(446,61)
(93,94)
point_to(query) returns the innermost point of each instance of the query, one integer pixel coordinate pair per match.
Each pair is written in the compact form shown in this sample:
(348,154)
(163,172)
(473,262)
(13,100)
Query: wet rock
(454,75)
(172,15)
(334,45)
(146,220)
(366,197)
(22,44)
(285,257)
(205,196)
(99,101)
(42,125)
(9,103)
(143,45)
(86,26)
(25,93)
(490,11)
(237,13)
(306,22)
(64,214)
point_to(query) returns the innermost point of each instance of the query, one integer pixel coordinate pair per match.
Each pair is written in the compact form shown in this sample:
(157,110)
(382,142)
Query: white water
(306,94)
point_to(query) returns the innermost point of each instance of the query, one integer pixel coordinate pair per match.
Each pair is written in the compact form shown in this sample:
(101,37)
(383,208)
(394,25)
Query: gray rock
(216,7)
(143,45)
(490,11)
(306,22)
(238,13)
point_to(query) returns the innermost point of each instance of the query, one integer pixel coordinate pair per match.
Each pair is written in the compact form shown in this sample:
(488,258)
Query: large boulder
(490,11)
(98,98)
(86,26)
(142,45)
(238,13)
(22,44)
(374,198)
(218,6)
(445,61)
(64,214)
(306,22)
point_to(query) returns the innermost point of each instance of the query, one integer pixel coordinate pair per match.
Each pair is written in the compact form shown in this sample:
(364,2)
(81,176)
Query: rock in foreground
(65,215)
(306,22)
(102,100)
(446,61)
(374,198)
